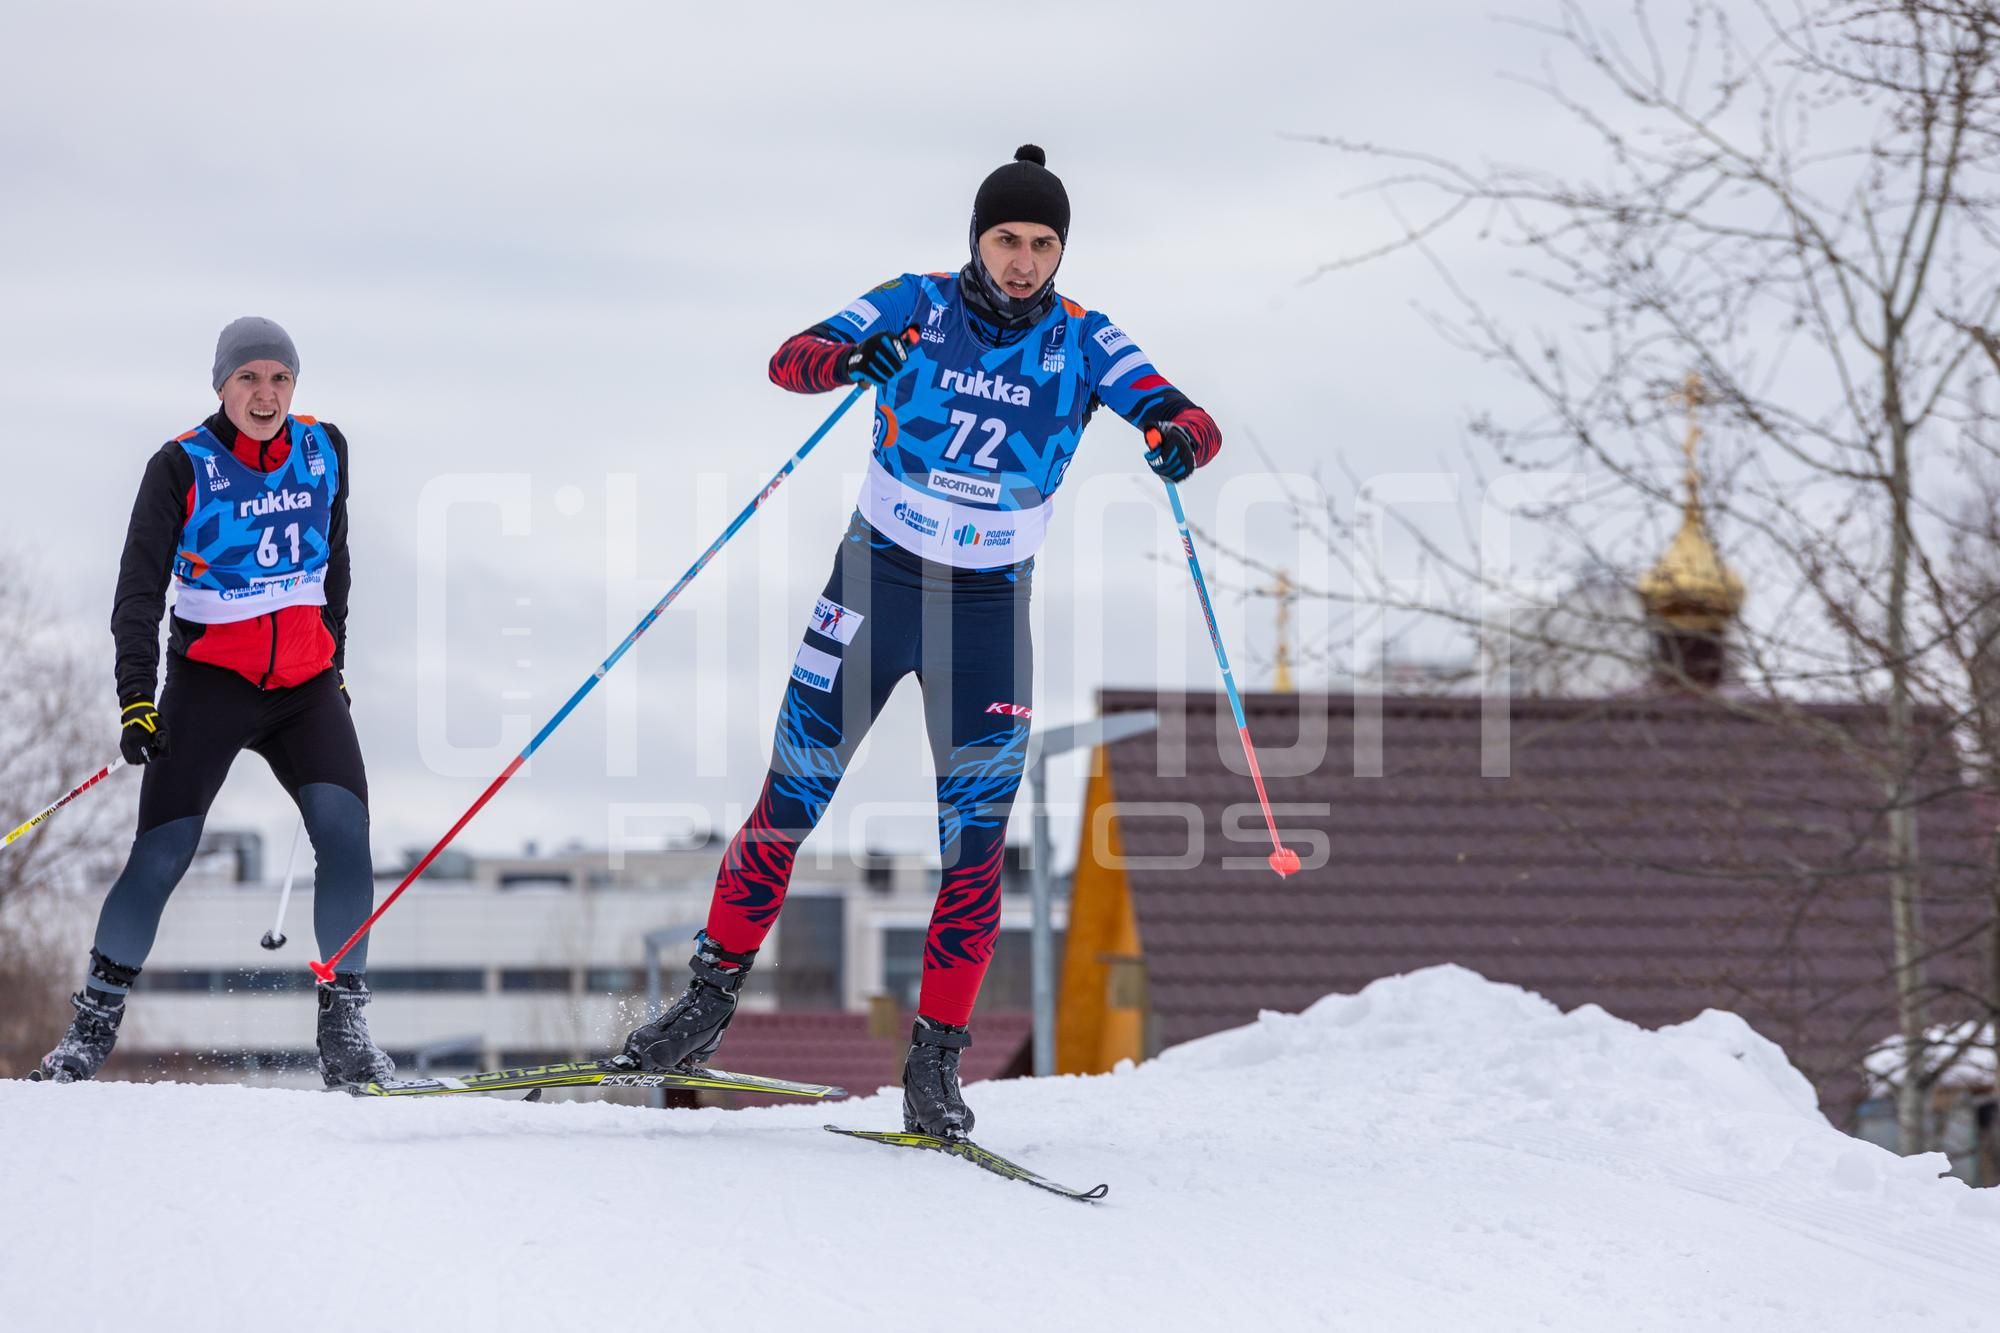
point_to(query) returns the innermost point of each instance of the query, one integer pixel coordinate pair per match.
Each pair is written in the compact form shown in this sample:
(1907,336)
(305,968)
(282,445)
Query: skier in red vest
(246,516)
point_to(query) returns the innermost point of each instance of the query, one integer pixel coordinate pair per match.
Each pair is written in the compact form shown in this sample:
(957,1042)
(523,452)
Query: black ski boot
(87,1044)
(932,1103)
(689,1031)
(100,1008)
(347,1054)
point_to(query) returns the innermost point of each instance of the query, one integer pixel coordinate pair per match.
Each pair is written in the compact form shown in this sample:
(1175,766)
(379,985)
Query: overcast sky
(535,259)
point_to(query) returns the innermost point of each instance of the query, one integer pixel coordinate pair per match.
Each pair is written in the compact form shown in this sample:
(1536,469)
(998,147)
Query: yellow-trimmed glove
(143,733)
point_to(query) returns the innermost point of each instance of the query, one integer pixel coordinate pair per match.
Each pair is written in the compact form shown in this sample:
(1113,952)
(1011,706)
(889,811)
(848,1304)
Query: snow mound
(1436,1151)
(1464,1036)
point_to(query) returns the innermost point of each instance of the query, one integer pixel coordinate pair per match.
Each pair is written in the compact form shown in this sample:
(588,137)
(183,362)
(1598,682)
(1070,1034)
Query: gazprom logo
(912,517)
(815,669)
(270,587)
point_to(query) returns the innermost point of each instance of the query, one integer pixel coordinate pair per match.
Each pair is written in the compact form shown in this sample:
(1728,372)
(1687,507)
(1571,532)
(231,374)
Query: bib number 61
(268,553)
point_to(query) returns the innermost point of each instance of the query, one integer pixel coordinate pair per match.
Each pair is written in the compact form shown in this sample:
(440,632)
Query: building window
(903,964)
(168,1064)
(224,981)
(534,979)
(292,980)
(536,879)
(175,980)
(811,939)
(267,979)
(427,979)
(616,980)
(1009,982)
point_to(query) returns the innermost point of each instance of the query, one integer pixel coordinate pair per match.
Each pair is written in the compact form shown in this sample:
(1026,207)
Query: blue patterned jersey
(972,440)
(255,541)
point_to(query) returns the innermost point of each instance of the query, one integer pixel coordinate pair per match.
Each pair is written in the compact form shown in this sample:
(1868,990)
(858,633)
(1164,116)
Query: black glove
(876,359)
(345,697)
(1172,454)
(144,734)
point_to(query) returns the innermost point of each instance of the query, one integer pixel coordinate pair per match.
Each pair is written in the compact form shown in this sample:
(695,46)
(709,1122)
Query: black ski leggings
(306,735)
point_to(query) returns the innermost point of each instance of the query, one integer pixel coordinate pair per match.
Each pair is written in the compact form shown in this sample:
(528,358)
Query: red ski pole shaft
(1283,859)
(63,800)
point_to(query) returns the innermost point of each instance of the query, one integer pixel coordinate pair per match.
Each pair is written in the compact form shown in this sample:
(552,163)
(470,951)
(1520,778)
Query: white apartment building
(500,960)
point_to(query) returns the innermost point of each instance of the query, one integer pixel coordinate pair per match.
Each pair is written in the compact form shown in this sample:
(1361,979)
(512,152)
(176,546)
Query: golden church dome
(1689,587)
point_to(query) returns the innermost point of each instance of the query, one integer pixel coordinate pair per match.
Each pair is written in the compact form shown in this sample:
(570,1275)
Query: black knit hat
(1024,190)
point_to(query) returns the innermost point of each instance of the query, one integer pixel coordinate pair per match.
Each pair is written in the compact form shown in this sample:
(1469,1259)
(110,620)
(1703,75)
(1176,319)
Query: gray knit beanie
(252,338)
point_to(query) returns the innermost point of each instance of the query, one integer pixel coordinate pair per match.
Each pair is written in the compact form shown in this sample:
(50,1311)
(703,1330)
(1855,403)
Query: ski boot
(347,1054)
(689,1031)
(87,1044)
(932,1103)
(94,1031)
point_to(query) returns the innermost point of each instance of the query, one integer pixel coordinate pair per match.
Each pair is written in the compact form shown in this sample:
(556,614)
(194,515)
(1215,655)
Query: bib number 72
(967,422)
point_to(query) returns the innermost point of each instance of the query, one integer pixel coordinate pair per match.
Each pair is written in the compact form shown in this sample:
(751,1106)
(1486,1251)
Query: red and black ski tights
(964,634)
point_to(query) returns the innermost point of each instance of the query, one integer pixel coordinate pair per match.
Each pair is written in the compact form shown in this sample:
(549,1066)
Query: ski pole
(274,938)
(1283,859)
(324,971)
(68,796)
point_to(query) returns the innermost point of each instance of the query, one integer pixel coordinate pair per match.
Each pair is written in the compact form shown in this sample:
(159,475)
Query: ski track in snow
(1438,1152)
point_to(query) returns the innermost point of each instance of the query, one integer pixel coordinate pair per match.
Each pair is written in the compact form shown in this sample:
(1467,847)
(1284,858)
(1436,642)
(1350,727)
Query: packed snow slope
(1436,1152)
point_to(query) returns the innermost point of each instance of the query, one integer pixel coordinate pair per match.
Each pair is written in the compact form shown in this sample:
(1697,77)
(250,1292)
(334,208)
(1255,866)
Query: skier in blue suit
(984,381)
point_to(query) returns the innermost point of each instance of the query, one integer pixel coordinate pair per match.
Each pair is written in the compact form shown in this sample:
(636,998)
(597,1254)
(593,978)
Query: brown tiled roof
(836,1048)
(1655,856)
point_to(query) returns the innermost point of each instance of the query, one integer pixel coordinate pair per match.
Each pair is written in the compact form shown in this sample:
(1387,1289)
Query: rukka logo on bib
(274,502)
(979,384)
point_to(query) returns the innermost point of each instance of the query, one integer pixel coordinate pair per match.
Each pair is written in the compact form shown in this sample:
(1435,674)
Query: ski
(618,1072)
(973,1153)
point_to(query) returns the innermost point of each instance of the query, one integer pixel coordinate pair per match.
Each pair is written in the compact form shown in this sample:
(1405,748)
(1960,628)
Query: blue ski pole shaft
(1283,859)
(324,971)
(1207,609)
